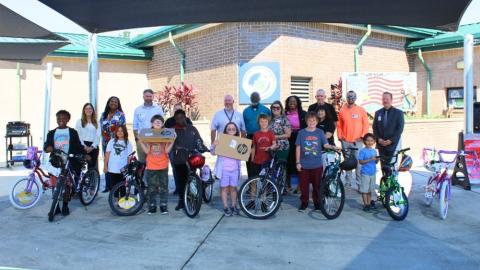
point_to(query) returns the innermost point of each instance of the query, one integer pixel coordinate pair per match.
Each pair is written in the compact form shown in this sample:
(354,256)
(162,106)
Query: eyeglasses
(320,96)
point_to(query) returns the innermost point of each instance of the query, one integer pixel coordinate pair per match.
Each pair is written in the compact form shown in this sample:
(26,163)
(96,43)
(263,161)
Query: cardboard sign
(152,135)
(233,147)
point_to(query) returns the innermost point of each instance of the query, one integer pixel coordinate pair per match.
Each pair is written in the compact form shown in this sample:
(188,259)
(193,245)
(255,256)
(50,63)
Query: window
(455,97)
(300,86)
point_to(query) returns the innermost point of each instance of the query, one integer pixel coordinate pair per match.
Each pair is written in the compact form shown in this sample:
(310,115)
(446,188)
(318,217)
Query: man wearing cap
(351,127)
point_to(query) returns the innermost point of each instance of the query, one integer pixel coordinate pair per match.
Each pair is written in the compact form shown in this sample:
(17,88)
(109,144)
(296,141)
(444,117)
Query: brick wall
(444,75)
(318,51)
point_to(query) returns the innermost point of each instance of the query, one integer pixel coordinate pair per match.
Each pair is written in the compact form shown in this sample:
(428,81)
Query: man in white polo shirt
(142,116)
(226,115)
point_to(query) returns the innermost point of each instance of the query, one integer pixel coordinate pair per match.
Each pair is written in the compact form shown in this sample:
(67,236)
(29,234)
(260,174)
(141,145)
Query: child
(263,141)
(228,170)
(368,159)
(66,139)
(116,156)
(308,154)
(157,168)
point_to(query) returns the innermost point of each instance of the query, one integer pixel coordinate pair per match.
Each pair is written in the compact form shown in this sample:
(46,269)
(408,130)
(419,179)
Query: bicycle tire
(192,196)
(57,194)
(252,207)
(20,200)
(443,200)
(207,193)
(391,198)
(330,189)
(89,186)
(126,205)
(429,198)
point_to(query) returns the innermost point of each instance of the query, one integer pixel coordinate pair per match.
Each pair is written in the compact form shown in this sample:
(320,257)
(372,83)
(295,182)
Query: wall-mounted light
(57,71)
(460,64)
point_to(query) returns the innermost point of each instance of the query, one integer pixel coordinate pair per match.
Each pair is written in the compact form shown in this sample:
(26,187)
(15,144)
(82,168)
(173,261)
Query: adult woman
(89,132)
(280,125)
(112,117)
(296,116)
(188,138)
(326,124)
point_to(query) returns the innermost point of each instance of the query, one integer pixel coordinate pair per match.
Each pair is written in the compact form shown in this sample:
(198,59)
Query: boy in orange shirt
(351,127)
(157,169)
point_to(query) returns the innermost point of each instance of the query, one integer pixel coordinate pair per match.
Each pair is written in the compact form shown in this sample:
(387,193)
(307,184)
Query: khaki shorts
(367,183)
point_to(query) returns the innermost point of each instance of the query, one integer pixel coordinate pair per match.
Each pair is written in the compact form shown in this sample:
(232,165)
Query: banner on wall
(263,78)
(472,158)
(370,87)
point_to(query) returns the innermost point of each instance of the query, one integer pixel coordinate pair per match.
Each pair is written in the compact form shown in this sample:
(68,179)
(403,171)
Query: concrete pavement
(93,238)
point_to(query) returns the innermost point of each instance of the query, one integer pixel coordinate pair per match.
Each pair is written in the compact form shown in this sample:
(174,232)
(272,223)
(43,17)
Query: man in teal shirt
(250,116)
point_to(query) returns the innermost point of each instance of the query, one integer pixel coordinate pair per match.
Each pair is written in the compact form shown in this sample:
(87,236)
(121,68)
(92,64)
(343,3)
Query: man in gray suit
(388,126)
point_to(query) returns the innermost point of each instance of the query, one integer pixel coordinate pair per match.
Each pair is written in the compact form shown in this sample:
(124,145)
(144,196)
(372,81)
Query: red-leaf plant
(184,94)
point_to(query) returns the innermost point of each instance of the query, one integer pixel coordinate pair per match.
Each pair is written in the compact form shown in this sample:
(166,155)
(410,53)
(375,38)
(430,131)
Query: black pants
(385,162)
(255,169)
(93,163)
(250,169)
(114,179)
(182,176)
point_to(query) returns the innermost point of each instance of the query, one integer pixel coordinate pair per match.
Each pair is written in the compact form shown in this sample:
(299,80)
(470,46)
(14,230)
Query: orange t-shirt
(157,158)
(352,123)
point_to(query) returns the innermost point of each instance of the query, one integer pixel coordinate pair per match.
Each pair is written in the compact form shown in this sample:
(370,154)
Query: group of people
(295,135)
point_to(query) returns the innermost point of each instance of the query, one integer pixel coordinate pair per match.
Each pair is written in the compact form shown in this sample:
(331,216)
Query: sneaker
(372,205)
(227,212)
(105,191)
(302,208)
(65,210)
(235,210)
(179,207)
(163,209)
(57,210)
(366,208)
(152,209)
(317,208)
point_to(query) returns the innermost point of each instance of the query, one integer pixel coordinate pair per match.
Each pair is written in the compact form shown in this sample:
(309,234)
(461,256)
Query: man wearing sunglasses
(352,126)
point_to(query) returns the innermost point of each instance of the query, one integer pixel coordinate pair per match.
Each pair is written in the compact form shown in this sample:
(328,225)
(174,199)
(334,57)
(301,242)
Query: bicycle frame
(391,180)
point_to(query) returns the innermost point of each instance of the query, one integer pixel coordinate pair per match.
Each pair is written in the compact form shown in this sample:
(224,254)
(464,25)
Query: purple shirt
(294,120)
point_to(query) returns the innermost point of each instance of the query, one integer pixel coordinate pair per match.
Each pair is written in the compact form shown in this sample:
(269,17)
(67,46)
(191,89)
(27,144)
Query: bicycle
(194,188)
(127,197)
(260,197)
(440,183)
(28,191)
(208,180)
(86,184)
(332,191)
(391,194)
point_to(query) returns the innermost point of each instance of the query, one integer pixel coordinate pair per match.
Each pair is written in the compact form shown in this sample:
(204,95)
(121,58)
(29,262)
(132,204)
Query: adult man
(224,116)
(142,116)
(329,109)
(250,117)
(352,126)
(388,126)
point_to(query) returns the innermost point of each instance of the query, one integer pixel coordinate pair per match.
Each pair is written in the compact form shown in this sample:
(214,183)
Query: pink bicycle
(440,183)
(27,191)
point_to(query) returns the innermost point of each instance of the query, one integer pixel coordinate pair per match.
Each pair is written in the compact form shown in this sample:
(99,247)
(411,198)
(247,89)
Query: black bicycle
(86,183)
(332,191)
(127,197)
(260,197)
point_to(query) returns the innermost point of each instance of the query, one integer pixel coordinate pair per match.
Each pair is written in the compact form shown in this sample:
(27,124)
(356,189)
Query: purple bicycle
(440,183)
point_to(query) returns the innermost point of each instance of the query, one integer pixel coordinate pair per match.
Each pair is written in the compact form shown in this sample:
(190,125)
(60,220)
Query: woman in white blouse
(89,132)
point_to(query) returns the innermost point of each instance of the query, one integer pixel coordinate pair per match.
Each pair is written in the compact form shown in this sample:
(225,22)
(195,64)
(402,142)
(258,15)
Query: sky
(55,22)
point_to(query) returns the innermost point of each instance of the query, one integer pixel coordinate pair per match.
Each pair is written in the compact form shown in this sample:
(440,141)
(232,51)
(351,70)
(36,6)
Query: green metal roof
(108,48)
(446,40)
(162,32)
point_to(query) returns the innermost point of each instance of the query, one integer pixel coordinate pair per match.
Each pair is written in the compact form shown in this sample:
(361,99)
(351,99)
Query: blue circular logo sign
(259,79)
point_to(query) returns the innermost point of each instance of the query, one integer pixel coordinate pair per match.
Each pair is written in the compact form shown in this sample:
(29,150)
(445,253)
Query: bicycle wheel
(126,200)
(332,197)
(207,190)
(281,178)
(430,191)
(192,197)
(259,198)
(396,203)
(25,193)
(89,187)
(443,204)
(57,197)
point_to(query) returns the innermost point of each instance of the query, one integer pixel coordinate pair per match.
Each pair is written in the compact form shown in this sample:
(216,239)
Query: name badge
(379,118)
(355,116)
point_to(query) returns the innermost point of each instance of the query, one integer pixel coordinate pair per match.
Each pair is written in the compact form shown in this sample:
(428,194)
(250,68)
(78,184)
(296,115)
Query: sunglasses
(351,97)
(231,129)
(276,108)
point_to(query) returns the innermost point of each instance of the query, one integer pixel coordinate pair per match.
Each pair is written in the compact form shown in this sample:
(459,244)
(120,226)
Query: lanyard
(229,117)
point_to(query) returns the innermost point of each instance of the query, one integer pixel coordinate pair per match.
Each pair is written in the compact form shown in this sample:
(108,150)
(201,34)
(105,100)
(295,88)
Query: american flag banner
(370,87)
